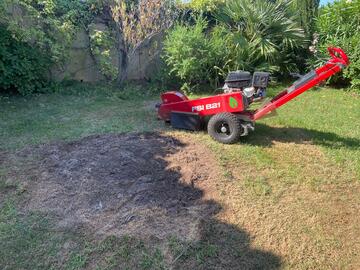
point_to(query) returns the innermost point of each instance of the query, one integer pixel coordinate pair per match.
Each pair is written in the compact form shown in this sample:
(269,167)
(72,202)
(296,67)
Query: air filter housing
(261,79)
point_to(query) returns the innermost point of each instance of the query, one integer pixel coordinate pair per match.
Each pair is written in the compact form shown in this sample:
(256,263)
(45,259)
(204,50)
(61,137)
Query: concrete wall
(145,60)
(82,65)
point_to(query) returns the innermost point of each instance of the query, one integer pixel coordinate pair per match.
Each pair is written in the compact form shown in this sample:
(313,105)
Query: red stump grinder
(228,113)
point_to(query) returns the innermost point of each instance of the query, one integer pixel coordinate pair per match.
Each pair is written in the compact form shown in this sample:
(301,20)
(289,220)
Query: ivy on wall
(47,26)
(101,43)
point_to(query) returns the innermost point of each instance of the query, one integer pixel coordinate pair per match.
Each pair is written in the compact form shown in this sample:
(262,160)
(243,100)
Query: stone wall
(145,60)
(82,65)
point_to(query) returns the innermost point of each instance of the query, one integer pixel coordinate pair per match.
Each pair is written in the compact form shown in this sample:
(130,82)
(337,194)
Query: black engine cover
(238,79)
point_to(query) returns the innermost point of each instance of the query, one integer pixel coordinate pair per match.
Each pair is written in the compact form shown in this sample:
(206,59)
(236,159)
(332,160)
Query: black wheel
(225,128)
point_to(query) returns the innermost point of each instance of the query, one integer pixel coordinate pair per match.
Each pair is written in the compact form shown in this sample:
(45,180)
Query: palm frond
(261,30)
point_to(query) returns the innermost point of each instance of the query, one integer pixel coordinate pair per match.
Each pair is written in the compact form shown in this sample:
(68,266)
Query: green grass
(73,113)
(30,242)
(27,242)
(115,253)
(296,177)
(330,118)
(291,186)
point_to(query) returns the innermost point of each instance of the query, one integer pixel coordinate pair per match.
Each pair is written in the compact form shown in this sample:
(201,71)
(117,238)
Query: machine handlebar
(338,55)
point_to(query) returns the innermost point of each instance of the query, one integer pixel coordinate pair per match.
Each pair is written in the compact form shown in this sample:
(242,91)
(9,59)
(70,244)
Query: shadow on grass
(223,246)
(264,135)
(111,186)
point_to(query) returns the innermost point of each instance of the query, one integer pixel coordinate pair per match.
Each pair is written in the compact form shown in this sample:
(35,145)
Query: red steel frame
(334,65)
(235,103)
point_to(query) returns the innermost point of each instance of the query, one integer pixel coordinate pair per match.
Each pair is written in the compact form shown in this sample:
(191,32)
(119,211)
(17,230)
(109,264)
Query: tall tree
(139,20)
(307,10)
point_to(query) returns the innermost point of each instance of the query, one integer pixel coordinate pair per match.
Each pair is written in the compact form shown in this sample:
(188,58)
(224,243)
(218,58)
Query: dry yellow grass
(300,205)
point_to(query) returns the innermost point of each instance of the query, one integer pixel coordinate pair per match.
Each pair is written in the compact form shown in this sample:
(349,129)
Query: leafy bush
(307,12)
(22,67)
(49,24)
(31,29)
(205,5)
(101,43)
(263,34)
(339,25)
(249,35)
(193,56)
(186,49)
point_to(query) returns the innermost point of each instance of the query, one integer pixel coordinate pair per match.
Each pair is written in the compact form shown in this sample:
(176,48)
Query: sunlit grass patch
(74,113)
(295,180)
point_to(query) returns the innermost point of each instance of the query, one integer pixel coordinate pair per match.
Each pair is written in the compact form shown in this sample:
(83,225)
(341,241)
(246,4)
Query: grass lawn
(72,113)
(292,186)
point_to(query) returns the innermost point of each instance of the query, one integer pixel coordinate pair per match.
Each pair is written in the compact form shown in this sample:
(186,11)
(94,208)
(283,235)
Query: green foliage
(37,28)
(193,56)
(101,43)
(263,34)
(48,24)
(339,25)
(205,5)
(186,53)
(307,12)
(22,67)
(250,35)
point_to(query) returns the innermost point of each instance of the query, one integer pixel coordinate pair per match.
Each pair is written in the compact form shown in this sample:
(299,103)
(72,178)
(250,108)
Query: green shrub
(50,24)
(249,35)
(22,67)
(101,43)
(307,11)
(339,25)
(187,54)
(263,35)
(30,29)
(205,5)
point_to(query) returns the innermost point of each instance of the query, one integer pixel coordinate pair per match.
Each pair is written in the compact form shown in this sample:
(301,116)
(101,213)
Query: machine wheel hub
(224,129)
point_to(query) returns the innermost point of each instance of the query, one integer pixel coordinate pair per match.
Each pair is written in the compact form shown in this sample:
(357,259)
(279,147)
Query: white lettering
(209,106)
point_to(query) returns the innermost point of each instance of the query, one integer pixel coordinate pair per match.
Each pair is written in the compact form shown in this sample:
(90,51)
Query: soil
(143,185)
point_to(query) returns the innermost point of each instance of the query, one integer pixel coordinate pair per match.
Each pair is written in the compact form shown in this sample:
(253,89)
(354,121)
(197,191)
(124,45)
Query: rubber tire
(233,123)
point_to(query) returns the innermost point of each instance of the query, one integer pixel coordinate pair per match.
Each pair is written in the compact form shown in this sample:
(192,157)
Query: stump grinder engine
(228,114)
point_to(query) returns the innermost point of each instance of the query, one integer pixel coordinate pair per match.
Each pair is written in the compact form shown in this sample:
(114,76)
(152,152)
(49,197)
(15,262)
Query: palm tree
(264,33)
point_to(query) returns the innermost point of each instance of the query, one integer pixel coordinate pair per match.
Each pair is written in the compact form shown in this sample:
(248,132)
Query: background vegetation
(339,24)
(249,35)
(277,36)
(205,38)
(23,67)
(36,35)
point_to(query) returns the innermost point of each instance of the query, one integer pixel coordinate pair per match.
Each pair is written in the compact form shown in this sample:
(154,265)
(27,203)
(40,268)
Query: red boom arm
(338,61)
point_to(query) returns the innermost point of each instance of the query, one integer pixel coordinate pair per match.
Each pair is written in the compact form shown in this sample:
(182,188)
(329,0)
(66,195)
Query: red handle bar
(338,61)
(338,55)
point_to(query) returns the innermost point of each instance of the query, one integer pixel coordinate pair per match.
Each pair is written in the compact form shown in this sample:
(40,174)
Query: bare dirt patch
(139,184)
